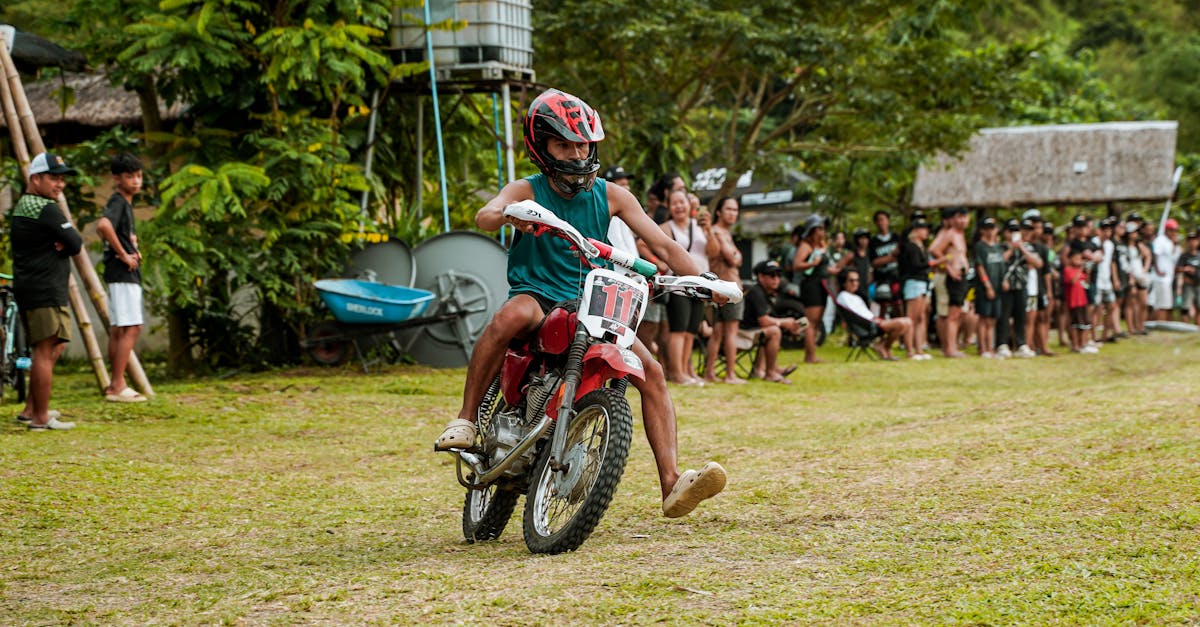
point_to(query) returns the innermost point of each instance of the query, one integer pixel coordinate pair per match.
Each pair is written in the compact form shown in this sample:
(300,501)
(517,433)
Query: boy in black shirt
(122,273)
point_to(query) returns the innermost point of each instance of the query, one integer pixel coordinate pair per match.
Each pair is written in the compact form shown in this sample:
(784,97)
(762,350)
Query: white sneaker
(1003,352)
(987,355)
(1025,351)
(1089,350)
(1093,344)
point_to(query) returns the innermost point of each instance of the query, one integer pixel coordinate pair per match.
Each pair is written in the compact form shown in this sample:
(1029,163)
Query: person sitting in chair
(759,317)
(892,328)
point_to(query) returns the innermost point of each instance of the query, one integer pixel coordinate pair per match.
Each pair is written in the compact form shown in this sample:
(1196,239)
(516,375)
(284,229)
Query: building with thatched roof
(95,104)
(1053,164)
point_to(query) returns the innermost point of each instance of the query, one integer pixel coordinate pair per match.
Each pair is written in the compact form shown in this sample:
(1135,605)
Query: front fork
(566,411)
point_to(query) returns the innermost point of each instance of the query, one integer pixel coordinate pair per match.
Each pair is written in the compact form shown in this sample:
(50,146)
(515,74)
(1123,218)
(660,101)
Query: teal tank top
(545,265)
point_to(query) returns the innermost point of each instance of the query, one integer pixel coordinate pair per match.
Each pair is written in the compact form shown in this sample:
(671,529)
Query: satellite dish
(388,262)
(468,272)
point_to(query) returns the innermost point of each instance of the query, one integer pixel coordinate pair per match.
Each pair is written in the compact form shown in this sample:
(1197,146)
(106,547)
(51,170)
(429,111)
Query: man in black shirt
(884,251)
(759,316)
(43,242)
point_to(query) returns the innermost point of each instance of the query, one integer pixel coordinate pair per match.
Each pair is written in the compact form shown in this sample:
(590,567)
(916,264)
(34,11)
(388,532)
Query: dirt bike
(554,424)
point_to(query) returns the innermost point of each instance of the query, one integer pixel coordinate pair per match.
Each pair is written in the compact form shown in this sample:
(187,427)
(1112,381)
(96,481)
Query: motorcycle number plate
(613,303)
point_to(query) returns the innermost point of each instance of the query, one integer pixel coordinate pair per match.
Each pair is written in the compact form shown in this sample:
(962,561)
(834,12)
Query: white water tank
(497,32)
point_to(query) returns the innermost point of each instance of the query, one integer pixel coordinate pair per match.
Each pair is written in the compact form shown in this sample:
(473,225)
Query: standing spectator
(43,242)
(1188,277)
(1122,278)
(885,255)
(838,257)
(811,266)
(1015,303)
(898,328)
(760,316)
(123,273)
(860,259)
(684,314)
(988,253)
(1139,278)
(1038,329)
(1082,236)
(948,254)
(1108,281)
(1166,254)
(1075,294)
(660,192)
(913,268)
(728,317)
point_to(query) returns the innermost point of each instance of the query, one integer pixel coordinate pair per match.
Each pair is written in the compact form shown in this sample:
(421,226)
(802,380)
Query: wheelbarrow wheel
(327,345)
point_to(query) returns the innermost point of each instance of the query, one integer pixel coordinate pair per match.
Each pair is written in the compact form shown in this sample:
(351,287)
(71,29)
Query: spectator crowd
(1001,288)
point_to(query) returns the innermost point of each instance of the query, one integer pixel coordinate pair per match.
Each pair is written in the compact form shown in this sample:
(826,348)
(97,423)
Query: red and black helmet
(559,114)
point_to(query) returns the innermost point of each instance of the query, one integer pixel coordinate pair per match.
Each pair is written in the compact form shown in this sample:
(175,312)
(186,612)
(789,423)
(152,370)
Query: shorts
(957,291)
(1079,318)
(684,314)
(1105,296)
(811,293)
(1043,301)
(47,322)
(125,305)
(941,299)
(655,312)
(1191,296)
(1031,303)
(1093,293)
(1161,296)
(730,312)
(915,288)
(987,307)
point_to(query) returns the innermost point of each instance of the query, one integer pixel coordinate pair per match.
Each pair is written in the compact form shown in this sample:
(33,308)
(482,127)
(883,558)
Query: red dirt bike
(555,424)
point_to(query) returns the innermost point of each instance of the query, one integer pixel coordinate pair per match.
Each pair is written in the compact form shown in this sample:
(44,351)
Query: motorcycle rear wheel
(597,446)
(486,512)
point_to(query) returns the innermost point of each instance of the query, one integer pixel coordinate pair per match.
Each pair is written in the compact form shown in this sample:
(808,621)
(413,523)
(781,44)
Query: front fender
(603,362)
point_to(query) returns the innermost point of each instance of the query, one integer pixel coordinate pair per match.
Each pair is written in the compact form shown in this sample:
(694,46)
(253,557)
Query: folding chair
(862,333)
(748,345)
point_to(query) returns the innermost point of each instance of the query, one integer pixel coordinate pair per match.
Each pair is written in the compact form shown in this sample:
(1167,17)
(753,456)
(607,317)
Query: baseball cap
(770,266)
(617,172)
(48,162)
(1194,235)
(1027,223)
(1108,223)
(1032,214)
(1079,220)
(1171,224)
(861,232)
(988,223)
(812,222)
(1135,217)
(920,223)
(1012,225)
(950,212)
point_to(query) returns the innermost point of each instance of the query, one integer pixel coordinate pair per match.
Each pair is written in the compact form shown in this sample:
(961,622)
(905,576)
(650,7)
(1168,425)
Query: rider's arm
(623,205)
(491,216)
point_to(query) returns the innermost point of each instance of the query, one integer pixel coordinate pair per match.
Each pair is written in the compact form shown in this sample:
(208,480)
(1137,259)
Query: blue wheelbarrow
(364,309)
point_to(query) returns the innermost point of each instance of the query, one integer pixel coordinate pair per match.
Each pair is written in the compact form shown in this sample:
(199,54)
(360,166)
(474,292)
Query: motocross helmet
(559,114)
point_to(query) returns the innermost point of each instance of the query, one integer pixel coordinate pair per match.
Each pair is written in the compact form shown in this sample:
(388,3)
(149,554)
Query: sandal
(459,433)
(23,419)
(126,395)
(692,487)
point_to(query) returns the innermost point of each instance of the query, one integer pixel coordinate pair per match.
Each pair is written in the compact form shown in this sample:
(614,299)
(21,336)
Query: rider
(561,137)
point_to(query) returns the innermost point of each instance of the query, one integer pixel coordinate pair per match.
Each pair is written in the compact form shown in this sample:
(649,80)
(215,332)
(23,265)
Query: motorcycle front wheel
(563,507)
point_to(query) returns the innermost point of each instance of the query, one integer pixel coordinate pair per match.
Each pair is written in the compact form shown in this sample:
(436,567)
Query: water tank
(497,33)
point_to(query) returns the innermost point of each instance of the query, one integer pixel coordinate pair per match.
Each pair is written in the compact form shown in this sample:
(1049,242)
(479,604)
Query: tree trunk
(179,348)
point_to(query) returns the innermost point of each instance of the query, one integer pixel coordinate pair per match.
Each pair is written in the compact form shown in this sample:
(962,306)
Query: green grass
(1046,491)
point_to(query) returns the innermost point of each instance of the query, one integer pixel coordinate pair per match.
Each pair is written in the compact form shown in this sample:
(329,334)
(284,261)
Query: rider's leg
(658,416)
(517,316)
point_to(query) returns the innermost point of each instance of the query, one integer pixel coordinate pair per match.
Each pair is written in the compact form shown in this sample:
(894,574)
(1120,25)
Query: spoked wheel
(563,507)
(12,373)
(326,346)
(486,512)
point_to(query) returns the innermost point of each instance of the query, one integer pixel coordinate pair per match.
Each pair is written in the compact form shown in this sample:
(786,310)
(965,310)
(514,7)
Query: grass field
(1045,491)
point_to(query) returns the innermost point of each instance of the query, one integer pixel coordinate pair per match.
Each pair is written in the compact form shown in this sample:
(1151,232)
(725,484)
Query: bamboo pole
(89,336)
(17,105)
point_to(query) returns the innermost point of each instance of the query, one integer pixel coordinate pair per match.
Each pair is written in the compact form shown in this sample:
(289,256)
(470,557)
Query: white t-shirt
(1166,253)
(622,237)
(1104,271)
(853,302)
